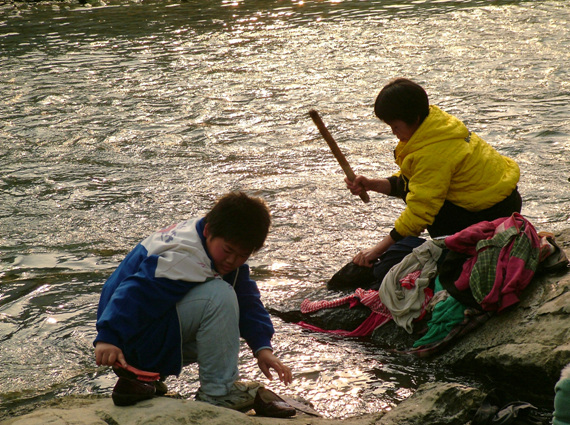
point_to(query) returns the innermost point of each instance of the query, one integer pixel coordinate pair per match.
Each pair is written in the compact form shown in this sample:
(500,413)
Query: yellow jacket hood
(443,160)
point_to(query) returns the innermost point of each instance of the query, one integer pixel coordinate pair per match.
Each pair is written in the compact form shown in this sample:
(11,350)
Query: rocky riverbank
(525,348)
(441,403)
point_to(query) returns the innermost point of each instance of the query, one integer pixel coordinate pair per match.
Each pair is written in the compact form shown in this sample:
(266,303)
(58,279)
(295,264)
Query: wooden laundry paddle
(336,151)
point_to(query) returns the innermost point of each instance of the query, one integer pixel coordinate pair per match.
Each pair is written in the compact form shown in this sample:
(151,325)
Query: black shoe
(160,387)
(267,403)
(130,391)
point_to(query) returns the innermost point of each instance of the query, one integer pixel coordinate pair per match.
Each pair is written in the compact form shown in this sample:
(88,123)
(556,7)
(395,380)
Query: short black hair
(240,219)
(402,99)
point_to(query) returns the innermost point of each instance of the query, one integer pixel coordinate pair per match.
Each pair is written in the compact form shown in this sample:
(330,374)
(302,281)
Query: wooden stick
(336,151)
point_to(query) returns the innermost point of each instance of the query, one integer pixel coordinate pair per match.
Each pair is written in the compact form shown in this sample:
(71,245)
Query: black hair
(240,219)
(402,99)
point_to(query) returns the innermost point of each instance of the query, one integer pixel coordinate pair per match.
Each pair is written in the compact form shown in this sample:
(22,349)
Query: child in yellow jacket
(449,177)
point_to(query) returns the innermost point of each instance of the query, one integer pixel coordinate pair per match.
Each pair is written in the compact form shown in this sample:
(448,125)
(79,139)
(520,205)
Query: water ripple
(122,118)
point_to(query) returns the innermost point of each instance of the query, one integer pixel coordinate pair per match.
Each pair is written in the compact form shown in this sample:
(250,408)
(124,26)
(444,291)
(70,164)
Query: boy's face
(227,256)
(403,131)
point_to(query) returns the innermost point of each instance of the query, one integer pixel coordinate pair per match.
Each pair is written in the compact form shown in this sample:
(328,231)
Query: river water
(120,118)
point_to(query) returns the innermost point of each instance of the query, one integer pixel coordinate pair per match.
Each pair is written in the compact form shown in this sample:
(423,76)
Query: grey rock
(436,403)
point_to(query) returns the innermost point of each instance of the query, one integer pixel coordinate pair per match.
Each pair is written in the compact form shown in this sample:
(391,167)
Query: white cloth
(405,304)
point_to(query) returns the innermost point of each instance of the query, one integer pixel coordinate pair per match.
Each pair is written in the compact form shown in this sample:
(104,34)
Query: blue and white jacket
(137,309)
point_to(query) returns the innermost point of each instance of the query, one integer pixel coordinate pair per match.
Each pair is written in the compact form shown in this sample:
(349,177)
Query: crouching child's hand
(267,360)
(107,354)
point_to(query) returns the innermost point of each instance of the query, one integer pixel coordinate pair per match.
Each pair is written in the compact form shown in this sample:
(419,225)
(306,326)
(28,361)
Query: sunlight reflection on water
(122,119)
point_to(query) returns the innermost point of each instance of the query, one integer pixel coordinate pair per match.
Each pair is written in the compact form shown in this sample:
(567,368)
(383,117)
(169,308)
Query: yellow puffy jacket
(444,161)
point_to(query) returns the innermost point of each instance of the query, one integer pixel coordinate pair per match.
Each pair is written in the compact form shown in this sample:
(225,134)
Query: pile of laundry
(456,283)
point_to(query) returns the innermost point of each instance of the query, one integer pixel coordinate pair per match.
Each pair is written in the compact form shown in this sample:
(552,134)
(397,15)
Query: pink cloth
(409,281)
(366,328)
(511,271)
(308,306)
(369,298)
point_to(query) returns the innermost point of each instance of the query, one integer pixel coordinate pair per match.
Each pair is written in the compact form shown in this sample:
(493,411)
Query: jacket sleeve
(398,186)
(428,188)
(136,302)
(254,322)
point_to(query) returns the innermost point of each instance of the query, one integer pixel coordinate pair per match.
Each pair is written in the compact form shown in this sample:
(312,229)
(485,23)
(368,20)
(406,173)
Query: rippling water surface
(121,118)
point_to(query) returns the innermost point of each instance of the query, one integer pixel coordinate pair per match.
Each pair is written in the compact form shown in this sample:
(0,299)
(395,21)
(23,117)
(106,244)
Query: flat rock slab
(160,410)
(441,403)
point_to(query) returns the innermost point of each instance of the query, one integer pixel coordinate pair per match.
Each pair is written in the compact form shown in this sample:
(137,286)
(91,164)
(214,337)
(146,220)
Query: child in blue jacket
(184,295)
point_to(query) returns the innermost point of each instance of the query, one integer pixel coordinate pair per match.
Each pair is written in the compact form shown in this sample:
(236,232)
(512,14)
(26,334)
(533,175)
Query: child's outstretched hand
(267,360)
(107,354)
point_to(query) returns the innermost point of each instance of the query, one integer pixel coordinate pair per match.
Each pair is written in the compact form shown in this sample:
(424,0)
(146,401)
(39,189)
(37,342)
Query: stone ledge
(441,403)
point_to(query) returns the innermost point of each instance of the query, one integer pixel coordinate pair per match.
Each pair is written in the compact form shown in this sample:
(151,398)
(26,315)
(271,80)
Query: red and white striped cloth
(369,298)
(308,306)
(379,315)
(409,281)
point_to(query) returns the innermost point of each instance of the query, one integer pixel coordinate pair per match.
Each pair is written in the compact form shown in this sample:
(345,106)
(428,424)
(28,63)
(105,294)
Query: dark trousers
(451,219)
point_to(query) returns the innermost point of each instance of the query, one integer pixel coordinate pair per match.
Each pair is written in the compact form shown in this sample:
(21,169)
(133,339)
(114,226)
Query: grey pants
(209,323)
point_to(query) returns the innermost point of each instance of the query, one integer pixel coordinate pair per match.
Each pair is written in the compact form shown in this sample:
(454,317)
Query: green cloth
(562,402)
(446,315)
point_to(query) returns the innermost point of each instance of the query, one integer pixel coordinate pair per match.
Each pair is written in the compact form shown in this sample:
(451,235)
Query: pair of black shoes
(132,388)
